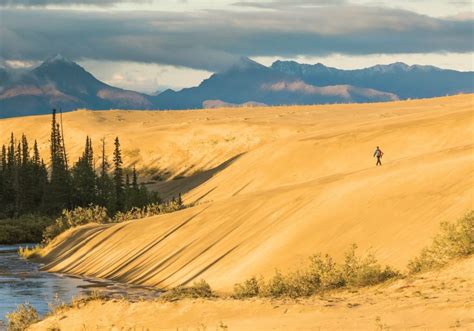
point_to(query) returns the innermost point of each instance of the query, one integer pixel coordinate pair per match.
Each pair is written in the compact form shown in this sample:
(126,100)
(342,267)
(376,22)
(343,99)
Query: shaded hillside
(248,81)
(61,83)
(406,81)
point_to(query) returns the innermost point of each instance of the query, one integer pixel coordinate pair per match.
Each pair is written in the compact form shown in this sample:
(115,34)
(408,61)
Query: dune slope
(438,300)
(293,195)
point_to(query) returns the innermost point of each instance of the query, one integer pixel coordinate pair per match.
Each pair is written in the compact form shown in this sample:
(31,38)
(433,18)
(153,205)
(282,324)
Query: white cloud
(144,77)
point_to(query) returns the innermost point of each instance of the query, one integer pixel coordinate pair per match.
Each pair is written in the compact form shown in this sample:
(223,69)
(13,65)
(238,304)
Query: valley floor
(432,301)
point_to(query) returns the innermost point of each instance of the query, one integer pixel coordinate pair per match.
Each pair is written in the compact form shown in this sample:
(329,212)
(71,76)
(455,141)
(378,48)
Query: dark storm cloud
(212,40)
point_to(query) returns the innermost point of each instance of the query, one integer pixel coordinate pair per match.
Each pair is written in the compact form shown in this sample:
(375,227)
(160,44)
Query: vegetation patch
(24,316)
(24,229)
(199,289)
(455,240)
(320,275)
(76,217)
(29,187)
(100,215)
(28,252)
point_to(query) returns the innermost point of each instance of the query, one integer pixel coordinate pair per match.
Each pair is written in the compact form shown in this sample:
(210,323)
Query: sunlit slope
(437,300)
(313,191)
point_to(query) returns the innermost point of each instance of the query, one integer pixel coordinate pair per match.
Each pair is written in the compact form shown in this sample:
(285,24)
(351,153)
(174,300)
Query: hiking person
(378,154)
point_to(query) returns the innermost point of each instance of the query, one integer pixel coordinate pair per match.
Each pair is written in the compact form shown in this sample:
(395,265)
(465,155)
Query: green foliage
(199,289)
(84,177)
(23,179)
(118,178)
(455,240)
(149,210)
(357,271)
(76,217)
(22,317)
(322,274)
(24,229)
(97,214)
(26,187)
(249,288)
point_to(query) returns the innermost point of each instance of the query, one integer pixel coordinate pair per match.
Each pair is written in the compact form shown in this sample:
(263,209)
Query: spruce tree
(105,185)
(84,178)
(118,177)
(59,192)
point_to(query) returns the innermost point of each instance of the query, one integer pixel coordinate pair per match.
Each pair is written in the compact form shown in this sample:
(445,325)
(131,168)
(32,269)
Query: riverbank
(22,281)
(440,299)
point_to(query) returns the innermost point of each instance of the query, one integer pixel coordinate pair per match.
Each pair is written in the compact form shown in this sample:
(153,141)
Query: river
(21,281)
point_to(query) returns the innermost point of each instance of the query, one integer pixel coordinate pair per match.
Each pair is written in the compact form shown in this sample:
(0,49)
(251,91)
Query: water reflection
(21,281)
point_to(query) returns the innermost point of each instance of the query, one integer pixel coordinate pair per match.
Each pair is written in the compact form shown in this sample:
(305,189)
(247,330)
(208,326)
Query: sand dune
(302,181)
(439,300)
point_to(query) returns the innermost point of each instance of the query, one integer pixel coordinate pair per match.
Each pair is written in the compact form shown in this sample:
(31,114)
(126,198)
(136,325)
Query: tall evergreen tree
(118,177)
(84,177)
(59,192)
(105,185)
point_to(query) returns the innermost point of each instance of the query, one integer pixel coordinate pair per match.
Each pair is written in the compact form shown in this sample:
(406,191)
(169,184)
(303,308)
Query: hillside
(61,83)
(302,180)
(435,300)
(415,81)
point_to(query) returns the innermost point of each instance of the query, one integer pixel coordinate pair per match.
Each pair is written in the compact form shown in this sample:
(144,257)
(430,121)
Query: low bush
(322,274)
(28,252)
(250,288)
(22,317)
(76,217)
(199,289)
(24,229)
(149,210)
(97,214)
(455,240)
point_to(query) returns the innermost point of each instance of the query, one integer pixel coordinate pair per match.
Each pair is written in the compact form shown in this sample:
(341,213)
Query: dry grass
(22,317)
(29,252)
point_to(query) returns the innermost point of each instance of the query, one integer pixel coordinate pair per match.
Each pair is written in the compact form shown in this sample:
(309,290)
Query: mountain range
(61,83)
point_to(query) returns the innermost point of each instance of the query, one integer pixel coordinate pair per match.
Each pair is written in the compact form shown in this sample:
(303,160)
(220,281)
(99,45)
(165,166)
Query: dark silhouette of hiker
(378,154)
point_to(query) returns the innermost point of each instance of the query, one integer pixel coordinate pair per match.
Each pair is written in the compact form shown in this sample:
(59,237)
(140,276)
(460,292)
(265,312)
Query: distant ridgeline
(61,83)
(27,186)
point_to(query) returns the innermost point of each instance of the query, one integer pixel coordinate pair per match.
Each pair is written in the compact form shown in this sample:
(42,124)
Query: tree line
(29,186)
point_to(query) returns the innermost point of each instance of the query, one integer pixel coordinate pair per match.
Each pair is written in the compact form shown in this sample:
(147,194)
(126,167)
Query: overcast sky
(150,45)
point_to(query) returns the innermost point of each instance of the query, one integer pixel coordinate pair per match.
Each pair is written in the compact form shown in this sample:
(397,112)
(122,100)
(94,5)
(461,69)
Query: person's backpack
(380,153)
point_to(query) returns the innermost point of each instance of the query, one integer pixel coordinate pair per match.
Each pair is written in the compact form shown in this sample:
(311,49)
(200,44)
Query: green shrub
(322,274)
(250,288)
(149,210)
(22,317)
(358,271)
(97,214)
(277,286)
(76,217)
(455,240)
(24,229)
(199,289)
